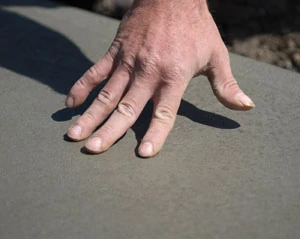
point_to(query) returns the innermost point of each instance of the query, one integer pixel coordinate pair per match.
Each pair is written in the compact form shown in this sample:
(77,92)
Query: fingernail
(94,144)
(246,101)
(75,132)
(146,149)
(70,102)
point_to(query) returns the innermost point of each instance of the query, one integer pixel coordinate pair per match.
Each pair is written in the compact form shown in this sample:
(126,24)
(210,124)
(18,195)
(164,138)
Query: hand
(159,47)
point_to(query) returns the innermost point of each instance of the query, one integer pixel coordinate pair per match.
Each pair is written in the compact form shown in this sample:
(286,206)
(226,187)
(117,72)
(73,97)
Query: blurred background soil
(265,30)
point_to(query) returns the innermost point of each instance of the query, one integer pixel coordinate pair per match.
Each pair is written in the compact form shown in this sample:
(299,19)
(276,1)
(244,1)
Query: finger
(102,106)
(90,79)
(225,86)
(166,104)
(122,118)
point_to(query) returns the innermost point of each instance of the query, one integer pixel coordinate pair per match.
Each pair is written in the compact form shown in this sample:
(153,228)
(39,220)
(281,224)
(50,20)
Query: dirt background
(266,30)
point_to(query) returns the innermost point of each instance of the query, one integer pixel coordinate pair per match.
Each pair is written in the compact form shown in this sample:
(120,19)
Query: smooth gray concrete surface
(221,175)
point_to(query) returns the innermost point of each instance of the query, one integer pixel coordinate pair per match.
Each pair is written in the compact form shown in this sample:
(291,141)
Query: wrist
(169,5)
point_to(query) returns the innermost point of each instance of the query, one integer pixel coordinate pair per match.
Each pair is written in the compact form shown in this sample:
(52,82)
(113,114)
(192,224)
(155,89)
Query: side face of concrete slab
(222,174)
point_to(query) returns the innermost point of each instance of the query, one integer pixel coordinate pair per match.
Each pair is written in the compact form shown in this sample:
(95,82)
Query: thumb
(225,86)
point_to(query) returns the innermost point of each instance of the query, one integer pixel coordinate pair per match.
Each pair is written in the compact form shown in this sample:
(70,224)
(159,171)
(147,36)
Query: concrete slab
(222,174)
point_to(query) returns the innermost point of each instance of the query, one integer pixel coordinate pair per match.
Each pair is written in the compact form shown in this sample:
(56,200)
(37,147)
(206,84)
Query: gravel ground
(266,30)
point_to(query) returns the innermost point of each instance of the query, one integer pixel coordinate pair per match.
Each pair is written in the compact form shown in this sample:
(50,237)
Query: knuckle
(89,115)
(105,97)
(127,65)
(164,114)
(148,64)
(127,109)
(93,75)
(81,83)
(229,84)
(176,72)
(174,77)
(113,50)
(107,130)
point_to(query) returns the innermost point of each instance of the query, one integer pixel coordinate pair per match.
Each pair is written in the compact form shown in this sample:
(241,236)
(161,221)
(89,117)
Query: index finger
(90,79)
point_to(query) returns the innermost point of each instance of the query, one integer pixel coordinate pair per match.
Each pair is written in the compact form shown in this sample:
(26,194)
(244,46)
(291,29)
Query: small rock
(296,59)
(291,44)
